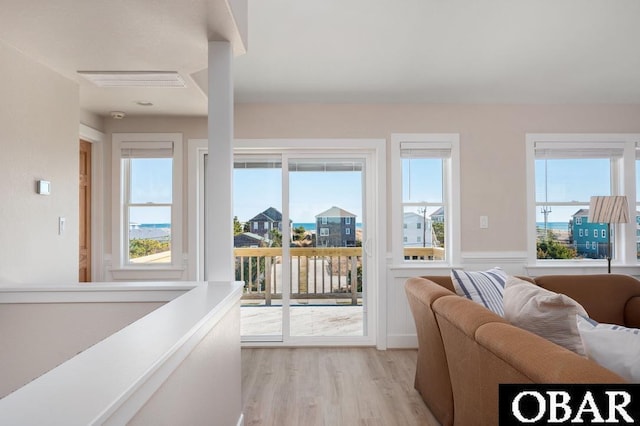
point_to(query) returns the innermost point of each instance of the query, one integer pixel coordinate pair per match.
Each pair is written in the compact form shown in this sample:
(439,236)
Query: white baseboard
(402,341)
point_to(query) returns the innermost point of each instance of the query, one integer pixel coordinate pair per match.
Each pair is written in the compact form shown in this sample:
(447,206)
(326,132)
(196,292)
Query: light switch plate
(484,222)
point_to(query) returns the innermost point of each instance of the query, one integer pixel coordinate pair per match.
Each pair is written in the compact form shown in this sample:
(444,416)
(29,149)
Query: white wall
(38,140)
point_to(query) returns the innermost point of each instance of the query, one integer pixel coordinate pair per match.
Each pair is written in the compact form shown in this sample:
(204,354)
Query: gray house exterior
(336,228)
(265,222)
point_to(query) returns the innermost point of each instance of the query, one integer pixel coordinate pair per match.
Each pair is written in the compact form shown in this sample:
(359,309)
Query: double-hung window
(425,181)
(147,224)
(565,171)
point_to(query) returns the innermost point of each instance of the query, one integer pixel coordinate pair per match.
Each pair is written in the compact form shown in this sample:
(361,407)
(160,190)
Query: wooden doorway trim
(84,266)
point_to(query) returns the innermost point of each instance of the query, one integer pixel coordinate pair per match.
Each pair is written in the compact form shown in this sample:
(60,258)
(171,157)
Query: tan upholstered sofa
(465,350)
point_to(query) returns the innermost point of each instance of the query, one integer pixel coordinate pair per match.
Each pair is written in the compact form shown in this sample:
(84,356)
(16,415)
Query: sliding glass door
(301,244)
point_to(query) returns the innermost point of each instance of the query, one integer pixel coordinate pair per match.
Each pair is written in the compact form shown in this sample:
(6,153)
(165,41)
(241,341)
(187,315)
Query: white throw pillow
(485,287)
(546,313)
(612,346)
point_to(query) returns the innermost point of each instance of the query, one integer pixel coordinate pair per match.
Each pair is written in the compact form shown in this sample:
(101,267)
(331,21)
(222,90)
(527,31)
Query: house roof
(269,215)
(439,212)
(414,217)
(581,212)
(247,239)
(335,212)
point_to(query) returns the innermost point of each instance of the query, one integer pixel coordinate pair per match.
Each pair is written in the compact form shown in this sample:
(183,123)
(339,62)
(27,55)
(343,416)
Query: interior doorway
(84,266)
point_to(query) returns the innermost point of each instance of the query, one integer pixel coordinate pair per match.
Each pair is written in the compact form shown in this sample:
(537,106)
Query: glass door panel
(257,209)
(326,254)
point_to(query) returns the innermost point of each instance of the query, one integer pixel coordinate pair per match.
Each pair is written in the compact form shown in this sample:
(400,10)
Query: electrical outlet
(61,223)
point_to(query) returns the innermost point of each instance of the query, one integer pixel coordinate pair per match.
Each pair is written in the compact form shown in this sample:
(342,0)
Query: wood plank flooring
(332,387)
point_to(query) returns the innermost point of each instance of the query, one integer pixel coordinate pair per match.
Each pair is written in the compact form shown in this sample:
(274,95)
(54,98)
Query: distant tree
(548,247)
(246,227)
(299,233)
(438,230)
(237,226)
(145,247)
(276,238)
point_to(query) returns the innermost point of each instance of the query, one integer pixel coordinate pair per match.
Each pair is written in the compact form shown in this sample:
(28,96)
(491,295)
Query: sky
(310,193)
(151,183)
(569,180)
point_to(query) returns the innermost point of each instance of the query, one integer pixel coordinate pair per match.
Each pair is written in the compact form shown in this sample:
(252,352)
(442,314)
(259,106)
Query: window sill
(163,273)
(564,267)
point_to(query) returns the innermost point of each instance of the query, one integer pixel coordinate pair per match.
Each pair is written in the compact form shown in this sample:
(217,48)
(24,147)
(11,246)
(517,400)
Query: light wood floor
(332,387)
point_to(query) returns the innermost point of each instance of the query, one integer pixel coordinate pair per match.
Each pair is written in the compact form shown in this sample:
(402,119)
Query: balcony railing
(316,273)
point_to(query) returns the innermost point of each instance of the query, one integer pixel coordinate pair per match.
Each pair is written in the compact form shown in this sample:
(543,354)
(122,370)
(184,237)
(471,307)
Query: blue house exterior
(590,240)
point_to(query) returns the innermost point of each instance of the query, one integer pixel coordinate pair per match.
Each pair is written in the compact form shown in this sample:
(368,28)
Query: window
(564,171)
(148,210)
(425,189)
(347,231)
(347,221)
(255,226)
(324,232)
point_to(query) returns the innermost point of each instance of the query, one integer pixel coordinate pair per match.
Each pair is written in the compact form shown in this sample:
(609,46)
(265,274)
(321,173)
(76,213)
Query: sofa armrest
(632,312)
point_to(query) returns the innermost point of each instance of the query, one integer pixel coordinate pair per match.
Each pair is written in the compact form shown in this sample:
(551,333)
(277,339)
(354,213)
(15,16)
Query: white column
(219,189)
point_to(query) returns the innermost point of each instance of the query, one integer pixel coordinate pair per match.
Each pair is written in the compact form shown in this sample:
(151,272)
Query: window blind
(425,149)
(146,149)
(563,150)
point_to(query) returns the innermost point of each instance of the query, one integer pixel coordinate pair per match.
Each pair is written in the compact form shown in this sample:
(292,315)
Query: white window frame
(324,232)
(120,268)
(595,233)
(623,183)
(347,231)
(451,196)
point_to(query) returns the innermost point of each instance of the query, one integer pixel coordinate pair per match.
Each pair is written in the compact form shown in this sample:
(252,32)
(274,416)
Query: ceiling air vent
(134,78)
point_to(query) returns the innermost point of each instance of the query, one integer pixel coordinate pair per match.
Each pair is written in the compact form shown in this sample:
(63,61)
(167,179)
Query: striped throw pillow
(483,287)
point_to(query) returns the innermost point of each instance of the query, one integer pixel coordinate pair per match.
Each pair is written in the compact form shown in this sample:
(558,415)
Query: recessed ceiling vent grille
(134,78)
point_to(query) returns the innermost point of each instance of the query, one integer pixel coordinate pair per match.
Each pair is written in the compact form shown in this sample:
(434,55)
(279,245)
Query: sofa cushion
(543,312)
(613,346)
(484,287)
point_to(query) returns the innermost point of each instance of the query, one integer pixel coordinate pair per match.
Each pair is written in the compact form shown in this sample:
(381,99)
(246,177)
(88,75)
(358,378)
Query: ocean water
(558,226)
